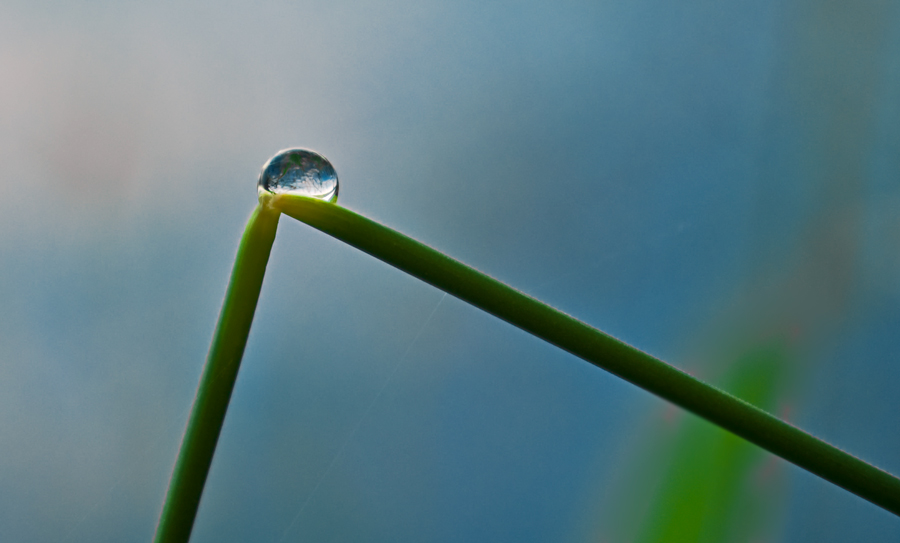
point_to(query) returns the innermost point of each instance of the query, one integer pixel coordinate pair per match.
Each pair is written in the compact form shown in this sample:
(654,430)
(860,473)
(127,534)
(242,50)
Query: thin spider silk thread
(362,419)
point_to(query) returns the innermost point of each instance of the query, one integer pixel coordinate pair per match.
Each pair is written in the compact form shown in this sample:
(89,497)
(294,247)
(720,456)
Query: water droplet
(301,172)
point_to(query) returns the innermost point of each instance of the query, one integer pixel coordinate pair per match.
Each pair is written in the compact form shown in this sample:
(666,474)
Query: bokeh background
(715,183)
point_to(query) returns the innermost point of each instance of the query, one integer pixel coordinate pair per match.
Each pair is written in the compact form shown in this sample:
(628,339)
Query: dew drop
(300,172)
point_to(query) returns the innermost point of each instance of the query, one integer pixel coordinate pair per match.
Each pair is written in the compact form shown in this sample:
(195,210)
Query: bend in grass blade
(602,350)
(217,381)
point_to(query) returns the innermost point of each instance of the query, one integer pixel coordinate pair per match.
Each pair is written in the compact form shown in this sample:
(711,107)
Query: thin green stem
(217,381)
(592,345)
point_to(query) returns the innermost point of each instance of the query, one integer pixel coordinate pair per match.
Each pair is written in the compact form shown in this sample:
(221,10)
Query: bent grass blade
(222,364)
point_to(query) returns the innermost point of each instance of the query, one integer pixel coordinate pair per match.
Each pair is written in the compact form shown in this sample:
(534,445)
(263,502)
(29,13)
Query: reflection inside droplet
(300,172)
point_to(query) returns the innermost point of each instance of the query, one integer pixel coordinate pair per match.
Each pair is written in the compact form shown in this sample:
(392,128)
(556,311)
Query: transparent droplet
(301,172)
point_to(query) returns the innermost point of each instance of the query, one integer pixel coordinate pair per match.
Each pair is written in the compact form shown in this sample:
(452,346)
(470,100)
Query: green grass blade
(602,350)
(704,494)
(217,381)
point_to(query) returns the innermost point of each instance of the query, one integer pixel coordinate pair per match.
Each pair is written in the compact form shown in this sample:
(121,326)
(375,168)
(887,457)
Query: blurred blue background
(696,178)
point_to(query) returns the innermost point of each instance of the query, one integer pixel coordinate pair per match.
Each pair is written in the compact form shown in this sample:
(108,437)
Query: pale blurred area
(704,181)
